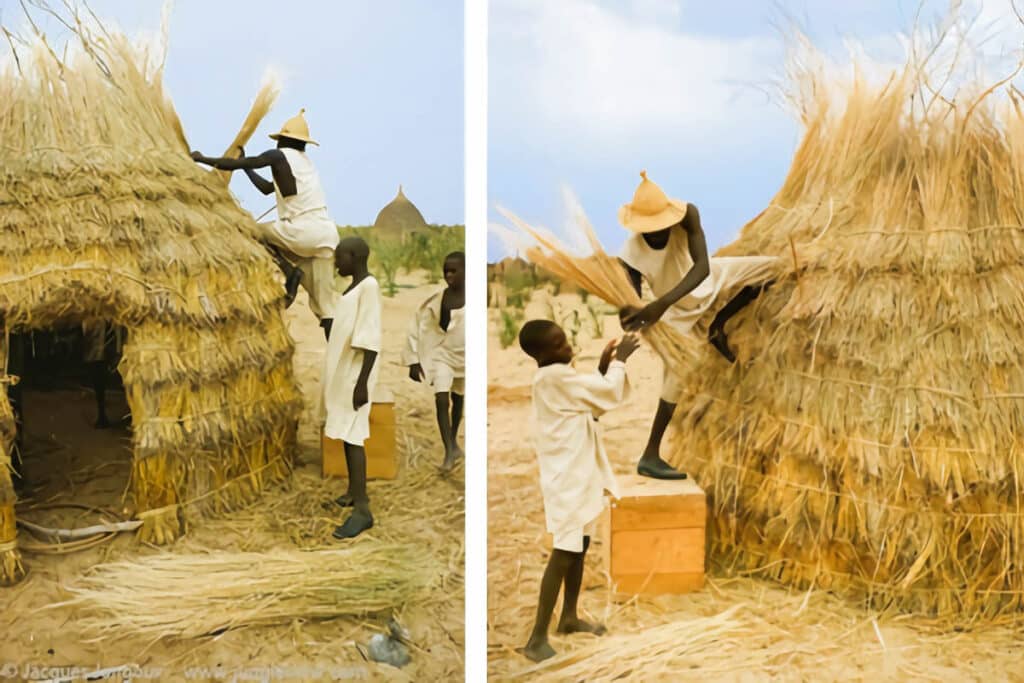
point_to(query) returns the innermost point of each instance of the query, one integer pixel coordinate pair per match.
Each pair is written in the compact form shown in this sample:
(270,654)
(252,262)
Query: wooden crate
(654,537)
(381,450)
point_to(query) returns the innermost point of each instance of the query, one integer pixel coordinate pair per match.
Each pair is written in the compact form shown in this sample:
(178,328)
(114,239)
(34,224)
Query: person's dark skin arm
(697,245)
(272,158)
(360,395)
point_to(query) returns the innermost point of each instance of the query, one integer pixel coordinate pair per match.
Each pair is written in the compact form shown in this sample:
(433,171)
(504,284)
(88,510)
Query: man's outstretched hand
(198,156)
(634,319)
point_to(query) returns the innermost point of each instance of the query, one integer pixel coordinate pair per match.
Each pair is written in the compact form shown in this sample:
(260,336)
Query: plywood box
(654,537)
(381,451)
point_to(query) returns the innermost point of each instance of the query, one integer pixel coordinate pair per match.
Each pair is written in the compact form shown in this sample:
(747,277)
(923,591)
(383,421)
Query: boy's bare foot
(450,458)
(577,625)
(357,523)
(656,468)
(344,500)
(537,651)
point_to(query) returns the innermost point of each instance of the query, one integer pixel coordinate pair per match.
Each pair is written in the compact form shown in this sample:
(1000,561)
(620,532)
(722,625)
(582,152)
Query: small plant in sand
(595,316)
(508,330)
(386,257)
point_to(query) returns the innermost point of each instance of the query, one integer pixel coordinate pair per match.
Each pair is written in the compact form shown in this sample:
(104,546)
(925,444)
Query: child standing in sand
(435,352)
(574,467)
(350,374)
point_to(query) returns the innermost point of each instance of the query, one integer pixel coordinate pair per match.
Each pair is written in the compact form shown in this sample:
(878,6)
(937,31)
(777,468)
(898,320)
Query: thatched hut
(104,217)
(400,219)
(870,438)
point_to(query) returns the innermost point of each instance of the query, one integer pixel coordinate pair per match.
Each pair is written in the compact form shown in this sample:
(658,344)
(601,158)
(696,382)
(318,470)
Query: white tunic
(574,467)
(430,346)
(303,226)
(663,269)
(357,326)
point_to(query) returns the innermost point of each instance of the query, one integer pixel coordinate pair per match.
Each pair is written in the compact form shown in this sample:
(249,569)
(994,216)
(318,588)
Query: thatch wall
(104,216)
(870,438)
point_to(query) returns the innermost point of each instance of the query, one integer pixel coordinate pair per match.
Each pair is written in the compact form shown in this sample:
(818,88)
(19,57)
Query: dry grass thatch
(870,438)
(104,216)
(175,595)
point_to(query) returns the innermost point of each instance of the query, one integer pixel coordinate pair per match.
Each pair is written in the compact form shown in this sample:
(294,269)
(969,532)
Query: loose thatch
(870,438)
(104,216)
(175,595)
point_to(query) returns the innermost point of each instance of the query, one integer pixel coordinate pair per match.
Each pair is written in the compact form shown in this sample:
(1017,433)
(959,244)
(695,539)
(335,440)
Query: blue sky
(586,93)
(381,81)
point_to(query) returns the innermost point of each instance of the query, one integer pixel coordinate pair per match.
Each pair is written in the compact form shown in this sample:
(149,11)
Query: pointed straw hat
(295,128)
(651,209)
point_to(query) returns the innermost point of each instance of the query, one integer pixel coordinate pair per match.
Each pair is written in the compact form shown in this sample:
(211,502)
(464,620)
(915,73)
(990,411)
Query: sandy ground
(737,628)
(69,461)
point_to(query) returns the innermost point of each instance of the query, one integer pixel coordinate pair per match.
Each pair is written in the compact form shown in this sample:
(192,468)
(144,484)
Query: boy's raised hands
(619,349)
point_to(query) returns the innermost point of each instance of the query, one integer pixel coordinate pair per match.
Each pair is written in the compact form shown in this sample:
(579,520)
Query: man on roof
(303,237)
(667,250)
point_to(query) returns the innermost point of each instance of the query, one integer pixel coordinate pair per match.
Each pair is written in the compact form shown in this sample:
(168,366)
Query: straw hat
(295,128)
(651,209)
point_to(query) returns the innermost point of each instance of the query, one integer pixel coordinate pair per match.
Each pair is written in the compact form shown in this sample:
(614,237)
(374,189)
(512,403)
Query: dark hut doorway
(73,440)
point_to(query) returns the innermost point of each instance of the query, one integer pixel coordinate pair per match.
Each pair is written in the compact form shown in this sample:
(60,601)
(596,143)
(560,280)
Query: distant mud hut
(104,217)
(400,219)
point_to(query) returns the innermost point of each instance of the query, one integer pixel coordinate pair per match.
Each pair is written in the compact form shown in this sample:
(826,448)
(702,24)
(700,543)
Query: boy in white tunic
(435,352)
(303,234)
(668,250)
(350,374)
(574,467)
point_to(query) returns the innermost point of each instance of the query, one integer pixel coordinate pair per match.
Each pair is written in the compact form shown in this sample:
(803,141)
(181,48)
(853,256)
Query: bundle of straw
(190,595)
(604,277)
(265,99)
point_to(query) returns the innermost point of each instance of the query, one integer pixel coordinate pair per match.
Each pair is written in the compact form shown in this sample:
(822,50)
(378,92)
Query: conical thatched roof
(399,218)
(870,438)
(103,215)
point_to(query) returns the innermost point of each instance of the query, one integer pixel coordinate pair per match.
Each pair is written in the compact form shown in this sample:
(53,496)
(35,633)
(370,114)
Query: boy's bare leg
(538,648)
(651,464)
(360,520)
(444,425)
(569,621)
(457,401)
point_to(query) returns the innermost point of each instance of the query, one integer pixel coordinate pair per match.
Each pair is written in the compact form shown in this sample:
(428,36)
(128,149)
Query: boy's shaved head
(356,246)
(536,336)
(456,255)
(351,255)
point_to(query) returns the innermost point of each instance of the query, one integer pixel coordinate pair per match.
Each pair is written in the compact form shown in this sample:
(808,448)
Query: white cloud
(582,68)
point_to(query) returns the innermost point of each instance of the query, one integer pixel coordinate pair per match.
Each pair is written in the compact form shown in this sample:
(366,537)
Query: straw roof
(103,215)
(870,437)
(399,218)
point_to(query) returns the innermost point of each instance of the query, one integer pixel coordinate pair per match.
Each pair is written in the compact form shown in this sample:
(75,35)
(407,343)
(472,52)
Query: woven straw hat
(295,128)
(651,209)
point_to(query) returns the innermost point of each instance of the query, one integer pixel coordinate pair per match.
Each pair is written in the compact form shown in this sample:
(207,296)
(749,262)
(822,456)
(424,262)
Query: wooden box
(654,537)
(381,450)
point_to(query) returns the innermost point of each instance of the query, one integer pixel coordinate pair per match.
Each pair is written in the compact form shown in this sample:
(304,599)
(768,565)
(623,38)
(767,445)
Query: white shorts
(318,281)
(671,388)
(572,541)
(444,380)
